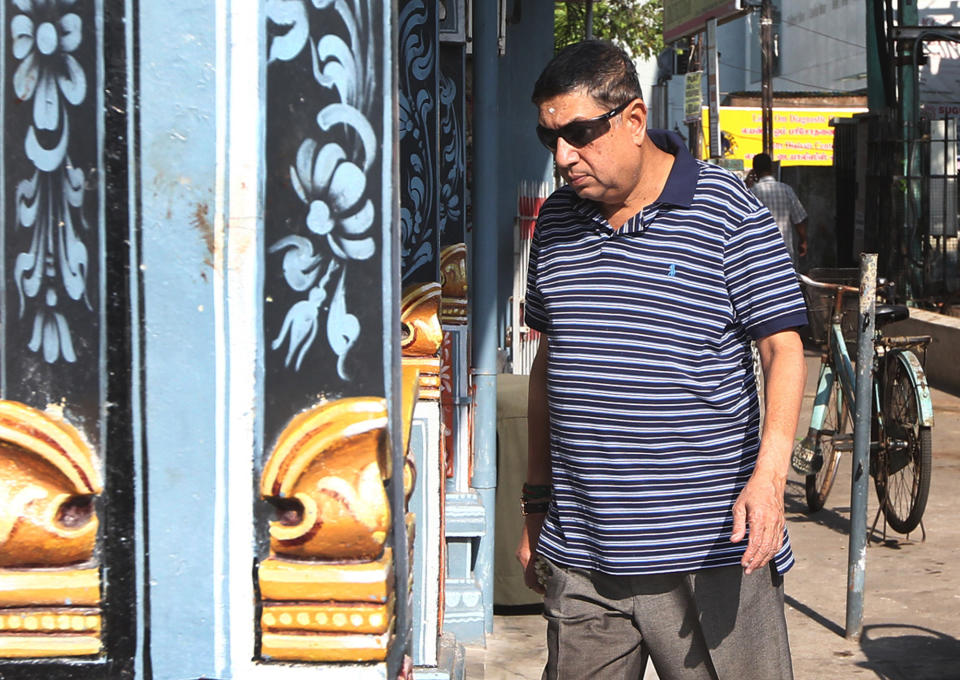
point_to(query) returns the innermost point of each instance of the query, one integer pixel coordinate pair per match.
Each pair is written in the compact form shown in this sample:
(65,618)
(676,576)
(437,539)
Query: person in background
(653,506)
(783,204)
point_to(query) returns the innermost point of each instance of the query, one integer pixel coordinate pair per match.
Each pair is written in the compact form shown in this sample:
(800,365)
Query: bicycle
(901,412)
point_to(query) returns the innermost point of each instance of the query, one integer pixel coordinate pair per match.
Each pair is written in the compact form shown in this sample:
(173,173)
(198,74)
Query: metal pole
(876,87)
(713,91)
(857,557)
(766,75)
(484,300)
(911,231)
(695,129)
(589,19)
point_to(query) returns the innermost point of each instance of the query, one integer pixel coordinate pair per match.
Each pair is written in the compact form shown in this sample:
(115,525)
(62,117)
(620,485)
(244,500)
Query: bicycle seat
(890,313)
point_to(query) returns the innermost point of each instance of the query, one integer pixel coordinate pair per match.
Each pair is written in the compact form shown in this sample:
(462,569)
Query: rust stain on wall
(201,222)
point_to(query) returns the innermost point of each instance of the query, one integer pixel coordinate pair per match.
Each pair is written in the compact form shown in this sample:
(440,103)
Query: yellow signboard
(800,136)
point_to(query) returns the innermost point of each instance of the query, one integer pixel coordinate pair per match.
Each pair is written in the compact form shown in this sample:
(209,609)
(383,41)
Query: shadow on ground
(795,505)
(838,518)
(814,615)
(899,652)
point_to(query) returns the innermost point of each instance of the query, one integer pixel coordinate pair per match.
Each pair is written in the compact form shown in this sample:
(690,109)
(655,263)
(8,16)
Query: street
(911,627)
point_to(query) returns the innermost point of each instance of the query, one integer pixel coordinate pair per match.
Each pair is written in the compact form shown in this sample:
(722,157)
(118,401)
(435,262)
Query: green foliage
(634,25)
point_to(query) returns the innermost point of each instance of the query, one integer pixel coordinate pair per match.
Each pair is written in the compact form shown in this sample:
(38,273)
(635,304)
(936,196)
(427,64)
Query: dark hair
(763,164)
(598,67)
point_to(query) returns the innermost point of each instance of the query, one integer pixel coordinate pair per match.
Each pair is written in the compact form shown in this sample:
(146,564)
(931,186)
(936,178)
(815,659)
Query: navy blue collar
(682,181)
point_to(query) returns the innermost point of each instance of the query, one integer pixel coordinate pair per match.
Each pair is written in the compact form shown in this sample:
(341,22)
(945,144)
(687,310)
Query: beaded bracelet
(533,508)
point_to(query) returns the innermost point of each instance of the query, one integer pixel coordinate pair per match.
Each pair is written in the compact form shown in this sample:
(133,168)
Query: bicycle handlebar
(830,286)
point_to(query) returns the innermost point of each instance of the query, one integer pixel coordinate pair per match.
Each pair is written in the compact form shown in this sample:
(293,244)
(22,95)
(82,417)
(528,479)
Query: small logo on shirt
(673,270)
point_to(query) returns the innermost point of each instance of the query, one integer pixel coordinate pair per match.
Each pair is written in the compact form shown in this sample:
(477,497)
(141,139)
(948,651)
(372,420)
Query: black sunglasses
(578,133)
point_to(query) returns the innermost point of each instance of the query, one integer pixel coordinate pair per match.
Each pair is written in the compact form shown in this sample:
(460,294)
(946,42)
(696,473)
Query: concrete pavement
(911,625)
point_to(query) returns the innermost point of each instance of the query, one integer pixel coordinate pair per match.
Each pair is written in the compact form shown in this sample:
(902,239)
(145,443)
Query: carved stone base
(49,613)
(454,311)
(463,615)
(328,647)
(316,611)
(465,524)
(429,368)
(356,617)
(287,580)
(48,645)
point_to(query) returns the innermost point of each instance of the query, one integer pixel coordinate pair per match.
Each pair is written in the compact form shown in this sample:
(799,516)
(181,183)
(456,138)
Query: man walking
(783,204)
(653,508)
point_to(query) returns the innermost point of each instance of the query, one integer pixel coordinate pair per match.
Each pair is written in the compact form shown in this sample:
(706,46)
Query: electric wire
(825,35)
(817,88)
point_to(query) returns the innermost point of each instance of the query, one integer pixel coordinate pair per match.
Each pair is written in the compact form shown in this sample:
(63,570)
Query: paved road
(912,596)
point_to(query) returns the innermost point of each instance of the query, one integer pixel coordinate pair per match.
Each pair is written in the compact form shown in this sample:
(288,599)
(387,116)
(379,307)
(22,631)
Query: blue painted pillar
(418,137)
(464,512)
(484,278)
(66,327)
(177,166)
(330,325)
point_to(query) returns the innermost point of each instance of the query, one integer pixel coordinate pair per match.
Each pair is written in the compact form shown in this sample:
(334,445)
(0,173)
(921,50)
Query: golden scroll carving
(49,581)
(453,279)
(422,335)
(327,589)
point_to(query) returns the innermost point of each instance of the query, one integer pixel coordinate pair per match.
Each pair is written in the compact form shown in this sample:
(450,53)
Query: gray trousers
(715,624)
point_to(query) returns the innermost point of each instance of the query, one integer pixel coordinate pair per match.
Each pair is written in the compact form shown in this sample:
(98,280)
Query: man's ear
(635,115)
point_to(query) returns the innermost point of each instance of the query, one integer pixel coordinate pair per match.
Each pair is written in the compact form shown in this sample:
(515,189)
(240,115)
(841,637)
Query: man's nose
(566,154)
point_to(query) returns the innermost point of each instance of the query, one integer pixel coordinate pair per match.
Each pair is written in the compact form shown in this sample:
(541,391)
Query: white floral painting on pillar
(45,35)
(329,175)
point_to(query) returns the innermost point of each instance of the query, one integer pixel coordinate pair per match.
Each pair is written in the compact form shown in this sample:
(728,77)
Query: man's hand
(760,505)
(527,549)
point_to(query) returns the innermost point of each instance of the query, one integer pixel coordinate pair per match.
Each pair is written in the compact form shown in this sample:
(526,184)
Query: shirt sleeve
(761,281)
(534,312)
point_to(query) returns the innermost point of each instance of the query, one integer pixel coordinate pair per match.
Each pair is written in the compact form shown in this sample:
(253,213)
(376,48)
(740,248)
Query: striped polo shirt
(654,416)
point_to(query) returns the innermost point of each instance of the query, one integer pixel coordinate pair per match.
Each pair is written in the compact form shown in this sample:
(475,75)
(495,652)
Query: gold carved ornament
(327,588)
(422,335)
(453,279)
(49,581)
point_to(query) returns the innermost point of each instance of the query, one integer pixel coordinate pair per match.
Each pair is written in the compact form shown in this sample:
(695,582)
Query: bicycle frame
(837,360)
(838,366)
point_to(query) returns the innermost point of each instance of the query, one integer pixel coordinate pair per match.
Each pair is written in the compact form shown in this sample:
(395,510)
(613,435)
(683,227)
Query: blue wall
(529,48)
(178,167)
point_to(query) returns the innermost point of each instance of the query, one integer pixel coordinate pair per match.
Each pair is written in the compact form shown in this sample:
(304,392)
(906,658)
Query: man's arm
(538,459)
(801,228)
(798,216)
(760,504)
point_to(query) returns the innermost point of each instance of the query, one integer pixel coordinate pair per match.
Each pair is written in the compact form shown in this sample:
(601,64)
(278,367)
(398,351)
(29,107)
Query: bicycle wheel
(902,476)
(835,436)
